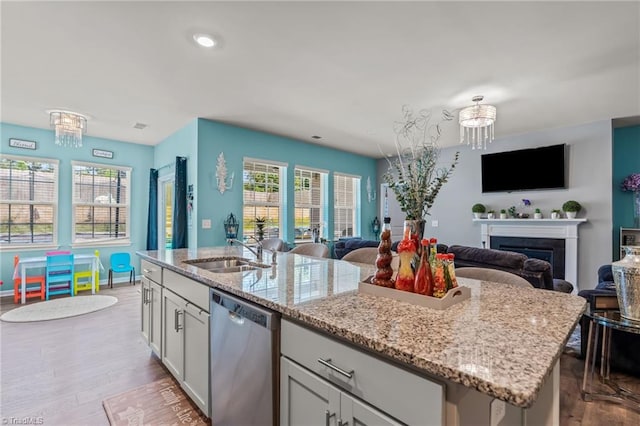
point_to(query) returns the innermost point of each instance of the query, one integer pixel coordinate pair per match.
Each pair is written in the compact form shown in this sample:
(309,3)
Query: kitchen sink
(227,264)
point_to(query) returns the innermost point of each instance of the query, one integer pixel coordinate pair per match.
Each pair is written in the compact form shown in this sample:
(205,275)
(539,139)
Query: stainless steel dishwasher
(245,342)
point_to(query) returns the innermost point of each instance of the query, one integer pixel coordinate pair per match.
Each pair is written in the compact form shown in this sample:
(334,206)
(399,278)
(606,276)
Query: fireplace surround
(558,229)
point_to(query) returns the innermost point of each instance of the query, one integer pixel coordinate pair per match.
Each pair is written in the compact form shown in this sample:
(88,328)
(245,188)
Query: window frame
(323,203)
(281,204)
(53,203)
(108,241)
(356,182)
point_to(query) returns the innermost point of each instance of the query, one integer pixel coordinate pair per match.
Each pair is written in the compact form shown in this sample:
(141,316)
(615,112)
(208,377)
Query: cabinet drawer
(408,397)
(190,290)
(151,271)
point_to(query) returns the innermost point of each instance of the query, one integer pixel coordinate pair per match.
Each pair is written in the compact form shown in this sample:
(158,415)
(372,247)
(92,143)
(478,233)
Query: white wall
(589,182)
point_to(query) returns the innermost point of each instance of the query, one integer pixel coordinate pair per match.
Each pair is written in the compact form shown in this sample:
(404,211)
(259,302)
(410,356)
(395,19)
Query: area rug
(159,403)
(58,308)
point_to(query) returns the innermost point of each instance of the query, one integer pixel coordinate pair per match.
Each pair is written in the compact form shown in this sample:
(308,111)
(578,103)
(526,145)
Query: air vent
(316,137)
(139,126)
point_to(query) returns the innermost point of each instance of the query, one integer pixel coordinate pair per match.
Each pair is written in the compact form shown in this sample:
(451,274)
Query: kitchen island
(500,346)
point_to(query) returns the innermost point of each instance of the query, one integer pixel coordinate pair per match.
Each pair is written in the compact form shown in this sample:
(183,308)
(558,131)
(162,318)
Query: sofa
(536,271)
(625,347)
(346,245)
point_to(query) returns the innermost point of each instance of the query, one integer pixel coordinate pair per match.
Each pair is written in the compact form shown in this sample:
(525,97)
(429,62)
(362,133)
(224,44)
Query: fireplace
(565,230)
(550,249)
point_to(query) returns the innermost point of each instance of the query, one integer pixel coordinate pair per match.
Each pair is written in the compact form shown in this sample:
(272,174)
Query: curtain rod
(171,164)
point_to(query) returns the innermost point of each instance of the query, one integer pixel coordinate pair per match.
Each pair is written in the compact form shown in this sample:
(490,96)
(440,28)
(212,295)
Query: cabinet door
(306,399)
(144,313)
(196,356)
(356,413)
(172,323)
(155,317)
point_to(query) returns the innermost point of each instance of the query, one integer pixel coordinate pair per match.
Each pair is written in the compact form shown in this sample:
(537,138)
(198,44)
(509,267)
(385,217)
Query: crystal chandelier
(69,127)
(476,124)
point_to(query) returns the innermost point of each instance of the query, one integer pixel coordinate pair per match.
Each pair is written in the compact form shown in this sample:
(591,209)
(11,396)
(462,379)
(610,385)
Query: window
(346,193)
(101,196)
(28,201)
(262,185)
(310,195)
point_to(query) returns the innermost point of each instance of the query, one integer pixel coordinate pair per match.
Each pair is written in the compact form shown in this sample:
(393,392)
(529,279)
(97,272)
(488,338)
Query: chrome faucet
(257,252)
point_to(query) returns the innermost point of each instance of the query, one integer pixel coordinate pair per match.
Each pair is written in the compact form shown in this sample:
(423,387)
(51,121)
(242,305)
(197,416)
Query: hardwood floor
(58,372)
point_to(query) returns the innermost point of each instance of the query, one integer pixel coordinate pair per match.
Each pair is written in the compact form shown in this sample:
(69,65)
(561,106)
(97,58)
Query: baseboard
(120,280)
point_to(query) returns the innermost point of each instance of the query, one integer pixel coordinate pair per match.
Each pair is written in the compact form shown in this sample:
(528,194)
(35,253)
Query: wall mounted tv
(524,169)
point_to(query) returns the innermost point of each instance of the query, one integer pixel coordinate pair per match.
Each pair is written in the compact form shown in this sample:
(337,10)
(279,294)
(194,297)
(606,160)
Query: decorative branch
(221,175)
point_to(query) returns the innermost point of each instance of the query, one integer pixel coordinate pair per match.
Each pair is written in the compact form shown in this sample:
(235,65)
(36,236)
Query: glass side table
(608,390)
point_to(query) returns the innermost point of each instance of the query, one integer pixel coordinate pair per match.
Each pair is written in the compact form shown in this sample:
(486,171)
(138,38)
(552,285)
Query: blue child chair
(59,275)
(121,262)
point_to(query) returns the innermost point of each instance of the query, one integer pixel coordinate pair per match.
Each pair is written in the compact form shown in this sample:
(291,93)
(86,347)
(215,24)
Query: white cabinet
(306,399)
(151,320)
(185,346)
(363,378)
(154,296)
(172,336)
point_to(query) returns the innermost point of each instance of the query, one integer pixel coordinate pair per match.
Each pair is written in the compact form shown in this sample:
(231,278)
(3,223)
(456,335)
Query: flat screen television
(524,169)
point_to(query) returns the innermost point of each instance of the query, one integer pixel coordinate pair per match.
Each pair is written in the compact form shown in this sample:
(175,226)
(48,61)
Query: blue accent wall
(237,143)
(626,160)
(182,143)
(138,157)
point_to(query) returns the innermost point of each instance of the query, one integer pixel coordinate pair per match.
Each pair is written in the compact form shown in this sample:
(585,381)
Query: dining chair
(311,249)
(79,277)
(273,244)
(59,275)
(121,262)
(494,275)
(35,284)
(362,255)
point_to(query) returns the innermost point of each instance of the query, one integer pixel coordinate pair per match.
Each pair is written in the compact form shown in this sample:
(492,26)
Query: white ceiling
(339,70)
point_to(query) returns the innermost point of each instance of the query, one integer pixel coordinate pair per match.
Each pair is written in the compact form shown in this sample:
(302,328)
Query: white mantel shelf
(561,222)
(566,229)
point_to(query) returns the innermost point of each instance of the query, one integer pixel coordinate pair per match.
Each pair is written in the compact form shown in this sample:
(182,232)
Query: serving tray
(453,296)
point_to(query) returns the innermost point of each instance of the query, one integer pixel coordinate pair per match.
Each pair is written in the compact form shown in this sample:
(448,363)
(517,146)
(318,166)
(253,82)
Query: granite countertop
(503,341)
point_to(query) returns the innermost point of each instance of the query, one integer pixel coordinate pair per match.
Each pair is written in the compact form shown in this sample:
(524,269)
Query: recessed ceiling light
(204,40)
(316,137)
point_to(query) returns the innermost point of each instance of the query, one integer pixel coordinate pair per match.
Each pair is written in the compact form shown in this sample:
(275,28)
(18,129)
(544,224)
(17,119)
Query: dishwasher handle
(241,310)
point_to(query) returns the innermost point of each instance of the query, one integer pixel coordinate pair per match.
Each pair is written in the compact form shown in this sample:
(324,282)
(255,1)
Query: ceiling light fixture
(69,127)
(476,124)
(204,40)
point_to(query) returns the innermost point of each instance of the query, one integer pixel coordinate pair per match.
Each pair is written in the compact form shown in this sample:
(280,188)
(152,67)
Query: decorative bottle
(423,283)
(439,278)
(406,250)
(384,273)
(452,270)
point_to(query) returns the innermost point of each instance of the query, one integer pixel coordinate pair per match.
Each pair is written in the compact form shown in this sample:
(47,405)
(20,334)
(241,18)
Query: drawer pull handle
(327,417)
(327,363)
(341,423)
(148,271)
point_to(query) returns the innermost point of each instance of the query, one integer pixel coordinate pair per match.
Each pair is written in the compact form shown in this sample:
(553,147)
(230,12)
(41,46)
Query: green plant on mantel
(503,211)
(512,211)
(478,208)
(571,206)
(537,211)
(556,211)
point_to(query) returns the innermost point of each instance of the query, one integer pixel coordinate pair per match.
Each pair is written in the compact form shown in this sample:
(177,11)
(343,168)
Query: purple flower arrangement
(631,183)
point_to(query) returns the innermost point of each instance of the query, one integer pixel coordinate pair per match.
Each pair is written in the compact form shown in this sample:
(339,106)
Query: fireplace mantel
(566,229)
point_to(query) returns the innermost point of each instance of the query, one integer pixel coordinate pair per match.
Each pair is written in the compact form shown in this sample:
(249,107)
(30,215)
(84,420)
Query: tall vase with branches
(415,174)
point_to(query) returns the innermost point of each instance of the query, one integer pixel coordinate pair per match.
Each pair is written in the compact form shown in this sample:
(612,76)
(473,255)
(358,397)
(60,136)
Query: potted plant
(491,214)
(555,214)
(537,214)
(503,214)
(512,211)
(571,208)
(260,223)
(477,210)
(416,174)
